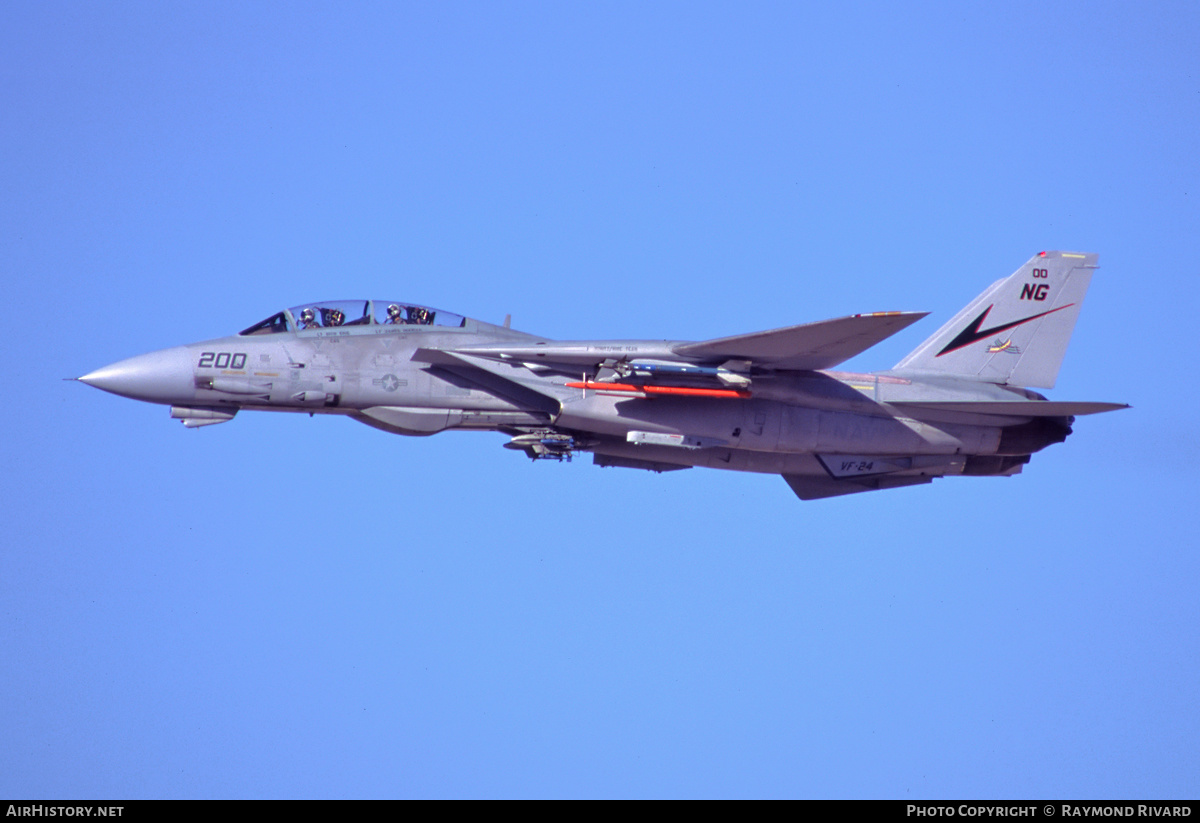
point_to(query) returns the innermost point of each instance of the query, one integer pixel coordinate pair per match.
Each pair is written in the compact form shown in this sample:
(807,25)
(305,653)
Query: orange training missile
(685,391)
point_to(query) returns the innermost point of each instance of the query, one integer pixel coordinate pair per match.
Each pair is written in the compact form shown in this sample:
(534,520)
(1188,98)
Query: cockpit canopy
(331,314)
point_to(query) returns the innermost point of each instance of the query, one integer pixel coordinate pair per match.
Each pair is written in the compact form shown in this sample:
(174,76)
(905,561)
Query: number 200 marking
(222,360)
(1041,273)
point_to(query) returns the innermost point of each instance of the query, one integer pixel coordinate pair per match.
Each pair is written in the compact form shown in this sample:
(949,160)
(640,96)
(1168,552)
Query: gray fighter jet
(762,402)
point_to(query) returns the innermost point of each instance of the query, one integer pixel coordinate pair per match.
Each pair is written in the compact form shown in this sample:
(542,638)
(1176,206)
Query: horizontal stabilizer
(1018,408)
(815,487)
(811,346)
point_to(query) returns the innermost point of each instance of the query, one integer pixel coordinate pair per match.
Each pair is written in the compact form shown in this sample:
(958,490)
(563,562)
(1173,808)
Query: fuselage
(422,378)
(767,401)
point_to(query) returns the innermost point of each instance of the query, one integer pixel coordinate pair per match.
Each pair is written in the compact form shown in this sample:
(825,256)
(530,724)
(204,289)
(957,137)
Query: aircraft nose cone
(159,377)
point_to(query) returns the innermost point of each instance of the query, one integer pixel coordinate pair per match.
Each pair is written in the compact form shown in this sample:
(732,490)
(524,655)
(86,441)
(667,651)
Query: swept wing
(809,346)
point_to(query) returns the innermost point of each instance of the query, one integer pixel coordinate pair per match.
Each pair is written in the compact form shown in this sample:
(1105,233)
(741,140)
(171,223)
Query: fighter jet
(768,401)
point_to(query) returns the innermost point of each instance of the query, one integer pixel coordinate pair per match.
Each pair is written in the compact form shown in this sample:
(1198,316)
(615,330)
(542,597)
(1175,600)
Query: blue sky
(286,606)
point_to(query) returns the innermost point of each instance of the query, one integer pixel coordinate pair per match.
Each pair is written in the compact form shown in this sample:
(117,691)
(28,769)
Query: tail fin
(1017,331)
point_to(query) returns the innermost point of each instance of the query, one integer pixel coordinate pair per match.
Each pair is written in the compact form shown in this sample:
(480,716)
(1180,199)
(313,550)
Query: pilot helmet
(307,316)
(393,312)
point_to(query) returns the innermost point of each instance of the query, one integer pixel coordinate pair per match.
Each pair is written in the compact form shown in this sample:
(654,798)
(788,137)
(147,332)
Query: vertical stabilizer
(1017,331)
